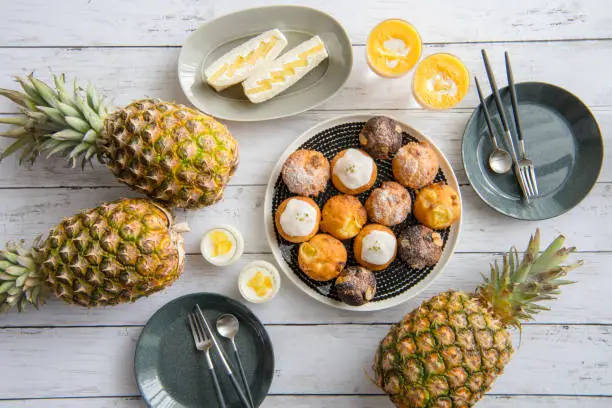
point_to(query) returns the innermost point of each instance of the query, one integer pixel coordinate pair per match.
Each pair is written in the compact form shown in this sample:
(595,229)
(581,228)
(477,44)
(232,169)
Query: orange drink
(440,81)
(393,48)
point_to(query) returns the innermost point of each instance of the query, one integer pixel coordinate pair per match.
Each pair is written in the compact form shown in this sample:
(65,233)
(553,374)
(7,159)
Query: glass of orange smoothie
(440,81)
(394,47)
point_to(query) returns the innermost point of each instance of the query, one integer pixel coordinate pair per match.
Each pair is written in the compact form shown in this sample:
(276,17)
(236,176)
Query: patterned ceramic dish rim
(453,236)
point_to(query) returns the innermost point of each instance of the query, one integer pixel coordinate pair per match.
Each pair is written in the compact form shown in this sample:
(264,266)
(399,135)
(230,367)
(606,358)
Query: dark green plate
(562,139)
(171,373)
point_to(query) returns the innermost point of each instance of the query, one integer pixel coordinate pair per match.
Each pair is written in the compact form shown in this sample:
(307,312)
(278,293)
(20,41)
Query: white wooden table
(70,357)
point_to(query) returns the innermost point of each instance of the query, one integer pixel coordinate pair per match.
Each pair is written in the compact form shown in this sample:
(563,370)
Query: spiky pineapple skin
(111,254)
(444,354)
(170,152)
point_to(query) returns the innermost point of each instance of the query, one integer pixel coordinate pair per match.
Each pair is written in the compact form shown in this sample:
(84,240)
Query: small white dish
(234,236)
(249,272)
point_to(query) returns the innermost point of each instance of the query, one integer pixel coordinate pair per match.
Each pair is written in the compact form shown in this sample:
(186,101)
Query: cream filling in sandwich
(273,78)
(236,65)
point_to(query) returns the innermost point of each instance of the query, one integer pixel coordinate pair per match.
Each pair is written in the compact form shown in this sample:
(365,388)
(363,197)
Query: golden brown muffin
(375,247)
(306,172)
(353,171)
(437,206)
(343,216)
(322,258)
(389,204)
(297,219)
(415,165)
(381,137)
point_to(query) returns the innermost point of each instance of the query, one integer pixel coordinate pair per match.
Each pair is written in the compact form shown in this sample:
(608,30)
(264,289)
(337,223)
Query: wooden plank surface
(68,357)
(319,359)
(143,22)
(302,401)
(127,73)
(584,302)
(482,230)
(262,143)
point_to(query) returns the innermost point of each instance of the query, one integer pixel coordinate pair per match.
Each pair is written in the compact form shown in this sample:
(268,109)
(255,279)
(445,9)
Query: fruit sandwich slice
(275,77)
(236,65)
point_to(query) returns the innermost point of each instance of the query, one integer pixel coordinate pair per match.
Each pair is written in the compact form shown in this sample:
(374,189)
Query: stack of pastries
(320,232)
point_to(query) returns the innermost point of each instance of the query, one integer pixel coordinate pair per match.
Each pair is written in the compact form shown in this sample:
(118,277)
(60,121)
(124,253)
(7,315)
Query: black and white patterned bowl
(397,283)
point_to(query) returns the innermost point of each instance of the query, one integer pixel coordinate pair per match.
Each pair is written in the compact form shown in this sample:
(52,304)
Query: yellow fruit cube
(221,243)
(261,284)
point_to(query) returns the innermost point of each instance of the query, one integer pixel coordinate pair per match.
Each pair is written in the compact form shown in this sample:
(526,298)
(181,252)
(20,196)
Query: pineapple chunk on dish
(274,77)
(261,284)
(236,65)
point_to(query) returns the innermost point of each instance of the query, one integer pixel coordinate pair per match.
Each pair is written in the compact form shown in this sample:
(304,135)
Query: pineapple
(115,253)
(448,351)
(167,151)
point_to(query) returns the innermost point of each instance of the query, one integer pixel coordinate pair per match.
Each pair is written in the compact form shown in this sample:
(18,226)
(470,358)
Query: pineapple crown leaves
(21,283)
(515,289)
(54,120)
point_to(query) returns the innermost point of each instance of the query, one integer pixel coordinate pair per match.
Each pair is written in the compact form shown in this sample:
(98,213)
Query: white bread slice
(236,65)
(274,77)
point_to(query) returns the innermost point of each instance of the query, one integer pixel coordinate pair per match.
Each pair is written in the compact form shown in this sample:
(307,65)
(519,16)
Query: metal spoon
(500,160)
(227,326)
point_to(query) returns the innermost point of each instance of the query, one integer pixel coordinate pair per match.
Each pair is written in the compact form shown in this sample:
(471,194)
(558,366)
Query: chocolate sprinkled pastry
(381,137)
(356,285)
(420,246)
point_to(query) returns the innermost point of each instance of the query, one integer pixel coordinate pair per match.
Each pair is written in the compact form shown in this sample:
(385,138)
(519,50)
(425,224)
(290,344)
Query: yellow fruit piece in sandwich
(236,65)
(275,77)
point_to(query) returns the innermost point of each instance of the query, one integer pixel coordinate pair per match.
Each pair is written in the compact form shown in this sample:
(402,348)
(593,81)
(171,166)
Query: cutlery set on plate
(500,161)
(205,339)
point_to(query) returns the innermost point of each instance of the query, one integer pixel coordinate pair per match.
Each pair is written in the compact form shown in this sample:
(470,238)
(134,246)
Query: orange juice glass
(440,81)
(394,47)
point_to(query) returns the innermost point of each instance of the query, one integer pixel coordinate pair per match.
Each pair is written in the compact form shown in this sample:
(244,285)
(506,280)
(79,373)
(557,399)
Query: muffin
(297,219)
(381,137)
(389,204)
(420,246)
(415,165)
(375,247)
(353,171)
(437,206)
(343,216)
(356,285)
(322,258)
(306,172)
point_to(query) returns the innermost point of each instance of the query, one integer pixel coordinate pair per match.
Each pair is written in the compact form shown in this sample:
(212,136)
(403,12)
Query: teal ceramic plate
(215,38)
(170,372)
(562,139)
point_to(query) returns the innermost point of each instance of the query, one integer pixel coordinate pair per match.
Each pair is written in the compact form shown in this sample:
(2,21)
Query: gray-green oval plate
(215,38)
(171,373)
(562,139)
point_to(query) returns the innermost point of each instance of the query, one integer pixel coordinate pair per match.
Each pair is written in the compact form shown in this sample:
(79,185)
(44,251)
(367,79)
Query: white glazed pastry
(378,247)
(236,65)
(299,218)
(274,77)
(375,247)
(353,171)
